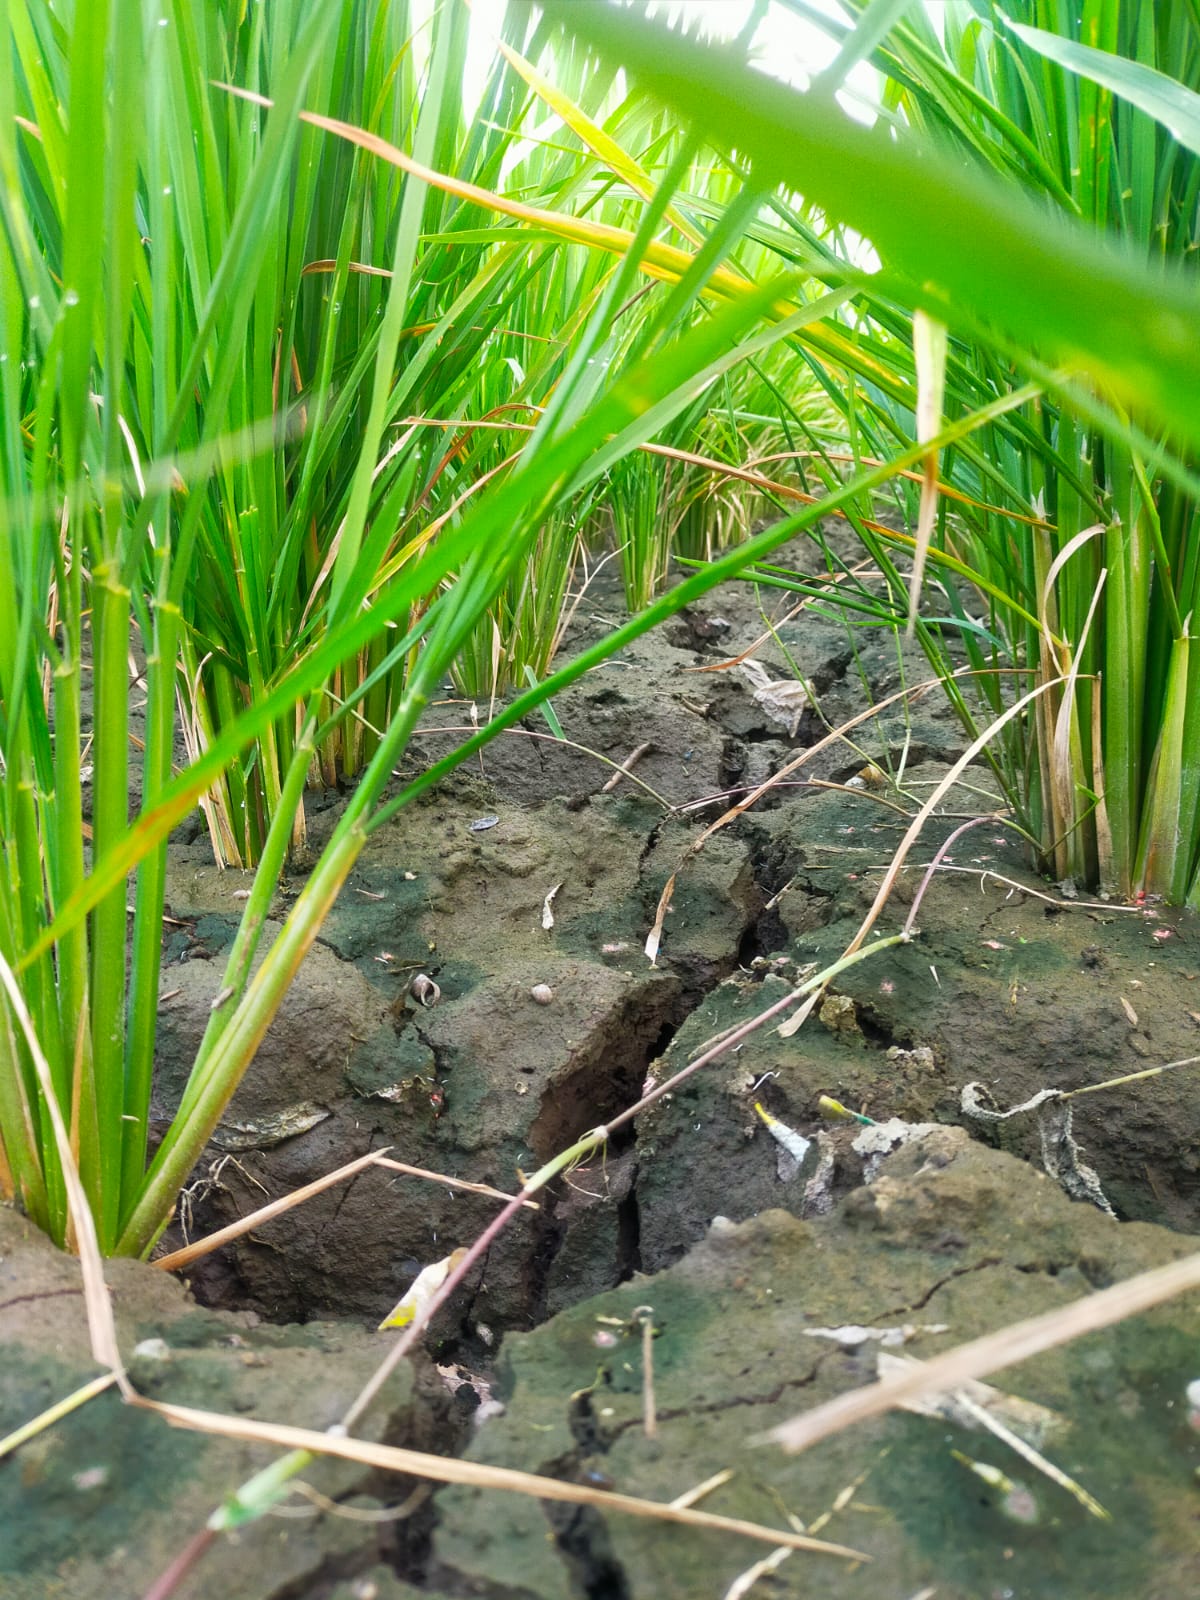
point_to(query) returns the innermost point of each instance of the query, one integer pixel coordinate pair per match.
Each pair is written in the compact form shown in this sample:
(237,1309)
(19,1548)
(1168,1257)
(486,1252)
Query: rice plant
(1036,193)
(1113,575)
(203,487)
(302,486)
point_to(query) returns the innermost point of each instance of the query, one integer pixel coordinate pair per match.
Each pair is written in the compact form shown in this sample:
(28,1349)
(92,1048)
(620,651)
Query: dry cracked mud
(1008,985)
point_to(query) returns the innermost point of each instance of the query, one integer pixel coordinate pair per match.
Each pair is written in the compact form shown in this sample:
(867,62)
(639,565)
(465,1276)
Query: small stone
(153,1350)
(90,1478)
(542,993)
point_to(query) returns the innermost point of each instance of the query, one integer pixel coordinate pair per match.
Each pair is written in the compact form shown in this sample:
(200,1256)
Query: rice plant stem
(233,1050)
(254,916)
(111,632)
(146,950)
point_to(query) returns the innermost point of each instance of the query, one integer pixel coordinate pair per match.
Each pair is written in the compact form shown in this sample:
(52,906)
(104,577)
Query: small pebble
(153,1350)
(91,1478)
(542,993)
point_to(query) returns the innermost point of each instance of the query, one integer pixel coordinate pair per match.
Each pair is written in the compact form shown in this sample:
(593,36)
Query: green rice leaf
(1172,103)
(953,240)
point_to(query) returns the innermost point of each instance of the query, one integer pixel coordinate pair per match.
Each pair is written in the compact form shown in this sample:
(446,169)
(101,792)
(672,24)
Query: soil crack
(593,1438)
(582,1540)
(936,1288)
(29,1299)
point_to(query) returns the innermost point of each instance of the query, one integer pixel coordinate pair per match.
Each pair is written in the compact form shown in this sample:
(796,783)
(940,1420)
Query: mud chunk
(839,1014)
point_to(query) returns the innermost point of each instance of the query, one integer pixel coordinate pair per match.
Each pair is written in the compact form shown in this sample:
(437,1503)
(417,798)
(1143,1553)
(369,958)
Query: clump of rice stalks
(1062,534)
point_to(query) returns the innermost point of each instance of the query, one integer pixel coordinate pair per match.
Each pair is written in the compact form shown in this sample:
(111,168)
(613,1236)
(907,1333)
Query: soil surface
(525,889)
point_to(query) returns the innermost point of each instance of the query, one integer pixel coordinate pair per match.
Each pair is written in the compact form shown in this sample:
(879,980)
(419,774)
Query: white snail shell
(542,993)
(424,991)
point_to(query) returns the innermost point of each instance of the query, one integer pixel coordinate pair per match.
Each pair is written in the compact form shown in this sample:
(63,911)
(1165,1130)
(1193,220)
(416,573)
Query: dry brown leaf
(991,1353)
(453,1469)
(654,937)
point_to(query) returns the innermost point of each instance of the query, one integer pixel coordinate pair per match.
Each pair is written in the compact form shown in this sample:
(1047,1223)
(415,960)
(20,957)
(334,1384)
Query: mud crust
(1008,986)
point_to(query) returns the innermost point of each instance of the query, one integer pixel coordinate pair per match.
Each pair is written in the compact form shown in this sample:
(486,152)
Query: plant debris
(793,1146)
(783,699)
(547,914)
(422,1289)
(265,1132)
(1061,1156)
(852,1336)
